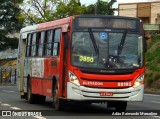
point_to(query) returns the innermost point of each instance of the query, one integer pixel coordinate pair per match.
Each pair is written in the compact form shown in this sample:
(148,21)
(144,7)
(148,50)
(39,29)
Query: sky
(87,2)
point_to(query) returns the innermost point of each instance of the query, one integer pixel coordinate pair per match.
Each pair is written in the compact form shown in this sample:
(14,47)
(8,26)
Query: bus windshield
(106,50)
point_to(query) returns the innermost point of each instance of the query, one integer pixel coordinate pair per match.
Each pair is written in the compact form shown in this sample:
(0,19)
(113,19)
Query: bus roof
(64,23)
(108,16)
(46,25)
(67,20)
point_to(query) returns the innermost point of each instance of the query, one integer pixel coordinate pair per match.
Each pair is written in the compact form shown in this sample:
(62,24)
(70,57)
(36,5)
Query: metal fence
(151,28)
(8,76)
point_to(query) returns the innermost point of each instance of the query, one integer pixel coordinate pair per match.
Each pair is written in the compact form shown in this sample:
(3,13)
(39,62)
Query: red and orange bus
(85,58)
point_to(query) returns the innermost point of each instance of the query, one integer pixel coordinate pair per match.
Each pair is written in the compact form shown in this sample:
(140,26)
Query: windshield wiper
(93,41)
(112,60)
(120,46)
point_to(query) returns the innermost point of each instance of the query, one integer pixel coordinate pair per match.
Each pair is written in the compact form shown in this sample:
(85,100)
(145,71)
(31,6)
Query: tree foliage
(38,11)
(101,7)
(10,22)
(74,7)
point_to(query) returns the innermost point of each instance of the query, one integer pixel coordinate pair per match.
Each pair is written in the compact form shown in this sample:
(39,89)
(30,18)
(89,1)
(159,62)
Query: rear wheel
(31,97)
(58,103)
(41,99)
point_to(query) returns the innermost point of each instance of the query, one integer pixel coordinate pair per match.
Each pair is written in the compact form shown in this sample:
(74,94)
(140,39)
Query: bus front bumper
(81,93)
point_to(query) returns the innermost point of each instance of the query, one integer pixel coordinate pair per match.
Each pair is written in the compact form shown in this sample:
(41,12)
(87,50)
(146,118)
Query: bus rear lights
(73,78)
(139,81)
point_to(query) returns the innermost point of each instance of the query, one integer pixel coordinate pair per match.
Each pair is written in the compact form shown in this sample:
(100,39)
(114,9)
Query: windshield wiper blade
(120,46)
(93,41)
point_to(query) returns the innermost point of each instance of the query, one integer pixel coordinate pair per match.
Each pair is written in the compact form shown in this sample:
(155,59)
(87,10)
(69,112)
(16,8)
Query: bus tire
(41,99)
(31,97)
(121,106)
(57,102)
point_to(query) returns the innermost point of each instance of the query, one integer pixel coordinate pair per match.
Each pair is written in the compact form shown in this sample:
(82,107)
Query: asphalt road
(10,101)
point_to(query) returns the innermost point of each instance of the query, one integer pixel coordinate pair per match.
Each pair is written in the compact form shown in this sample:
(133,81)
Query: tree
(38,11)
(110,9)
(101,7)
(74,7)
(10,21)
(90,9)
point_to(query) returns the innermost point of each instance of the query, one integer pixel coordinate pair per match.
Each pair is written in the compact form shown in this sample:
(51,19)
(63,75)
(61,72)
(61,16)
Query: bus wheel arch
(30,97)
(57,102)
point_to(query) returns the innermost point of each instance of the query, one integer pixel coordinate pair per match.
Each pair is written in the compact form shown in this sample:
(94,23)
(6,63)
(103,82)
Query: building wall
(158,19)
(129,10)
(144,10)
(155,9)
(147,11)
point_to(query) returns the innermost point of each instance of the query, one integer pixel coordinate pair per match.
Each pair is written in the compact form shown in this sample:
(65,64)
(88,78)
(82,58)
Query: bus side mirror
(66,41)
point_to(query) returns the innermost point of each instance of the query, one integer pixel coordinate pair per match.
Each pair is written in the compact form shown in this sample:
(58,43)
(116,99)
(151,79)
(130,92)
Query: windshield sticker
(86,59)
(104,36)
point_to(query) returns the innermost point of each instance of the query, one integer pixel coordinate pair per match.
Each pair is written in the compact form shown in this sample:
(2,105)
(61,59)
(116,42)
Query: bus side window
(34,41)
(56,43)
(41,43)
(49,43)
(28,46)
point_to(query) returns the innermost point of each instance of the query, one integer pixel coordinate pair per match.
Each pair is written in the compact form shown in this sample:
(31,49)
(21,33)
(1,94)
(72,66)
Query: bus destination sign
(106,22)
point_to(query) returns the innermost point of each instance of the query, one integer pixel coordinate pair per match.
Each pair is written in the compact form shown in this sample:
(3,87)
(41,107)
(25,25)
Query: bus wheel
(58,103)
(41,99)
(121,106)
(31,97)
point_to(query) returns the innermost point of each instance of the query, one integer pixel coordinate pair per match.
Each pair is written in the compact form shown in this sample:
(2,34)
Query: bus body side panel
(35,68)
(41,71)
(47,87)
(51,68)
(36,85)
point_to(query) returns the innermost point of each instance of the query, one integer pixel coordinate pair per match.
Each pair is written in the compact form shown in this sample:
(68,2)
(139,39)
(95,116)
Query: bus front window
(106,50)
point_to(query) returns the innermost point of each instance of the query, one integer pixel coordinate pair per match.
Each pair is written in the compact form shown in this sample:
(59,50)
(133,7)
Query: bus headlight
(73,78)
(139,81)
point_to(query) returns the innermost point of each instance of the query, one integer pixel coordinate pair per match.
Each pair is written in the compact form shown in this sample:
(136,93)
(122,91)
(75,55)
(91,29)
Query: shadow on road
(73,109)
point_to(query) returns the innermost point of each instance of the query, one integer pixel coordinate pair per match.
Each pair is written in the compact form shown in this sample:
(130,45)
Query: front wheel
(58,103)
(121,106)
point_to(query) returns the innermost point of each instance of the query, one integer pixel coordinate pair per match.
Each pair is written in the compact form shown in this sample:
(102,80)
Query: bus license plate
(106,93)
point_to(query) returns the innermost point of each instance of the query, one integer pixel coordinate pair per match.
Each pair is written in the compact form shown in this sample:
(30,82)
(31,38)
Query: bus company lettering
(93,83)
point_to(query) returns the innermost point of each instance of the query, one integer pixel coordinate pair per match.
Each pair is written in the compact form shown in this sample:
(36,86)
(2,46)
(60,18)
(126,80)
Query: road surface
(10,101)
